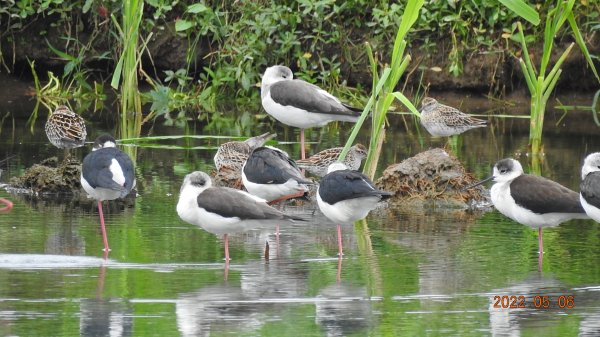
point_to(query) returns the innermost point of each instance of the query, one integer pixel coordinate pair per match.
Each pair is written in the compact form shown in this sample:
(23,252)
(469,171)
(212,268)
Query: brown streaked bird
(443,121)
(65,129)
(318,163)
(231,156)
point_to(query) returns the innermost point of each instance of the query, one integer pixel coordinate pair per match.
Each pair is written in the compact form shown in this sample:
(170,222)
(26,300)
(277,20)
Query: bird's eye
(598,166)
(503,170)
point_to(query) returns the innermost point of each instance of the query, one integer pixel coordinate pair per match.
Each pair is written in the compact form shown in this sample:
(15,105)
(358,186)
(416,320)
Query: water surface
(430,271)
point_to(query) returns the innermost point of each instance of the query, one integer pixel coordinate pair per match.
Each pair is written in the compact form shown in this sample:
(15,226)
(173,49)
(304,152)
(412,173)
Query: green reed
(382,94)
(126,71)
(541,83)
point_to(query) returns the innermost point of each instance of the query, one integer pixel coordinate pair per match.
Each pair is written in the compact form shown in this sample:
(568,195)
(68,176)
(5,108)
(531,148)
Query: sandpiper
(317,164)
(231,156)
(300,104)
(65,129)
(442,121)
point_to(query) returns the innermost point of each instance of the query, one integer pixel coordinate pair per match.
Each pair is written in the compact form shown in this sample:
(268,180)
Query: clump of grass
(542,82)
(383,93)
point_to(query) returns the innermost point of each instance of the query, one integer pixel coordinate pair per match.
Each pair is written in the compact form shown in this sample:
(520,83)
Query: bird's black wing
(229,203)
(96,170)
(541,195)
(309,97)
(268,166)
(347,184)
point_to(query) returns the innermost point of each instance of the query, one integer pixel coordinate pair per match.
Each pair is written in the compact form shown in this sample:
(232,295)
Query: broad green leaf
(522,9)
(196,8)
(182,25)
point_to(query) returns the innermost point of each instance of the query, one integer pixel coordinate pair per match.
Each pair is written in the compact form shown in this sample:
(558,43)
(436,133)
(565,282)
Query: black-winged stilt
(224,210)
(589,194)
(106,174)
(345,196)
(300,104)
(532,200)
(271,175)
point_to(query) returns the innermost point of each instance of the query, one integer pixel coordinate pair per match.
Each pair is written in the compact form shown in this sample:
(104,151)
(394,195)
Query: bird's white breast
(592,211)
(347,211)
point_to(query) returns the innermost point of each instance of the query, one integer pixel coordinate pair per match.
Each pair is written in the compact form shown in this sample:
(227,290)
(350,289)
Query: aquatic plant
(541,83)
(383,94)
(125,74)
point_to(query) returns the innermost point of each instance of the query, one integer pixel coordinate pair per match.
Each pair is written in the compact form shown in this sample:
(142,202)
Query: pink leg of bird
(226,270)
(8,205)
(541,241)
(302,153)
(226,238)
(339,270)
(103,229)
(339,237)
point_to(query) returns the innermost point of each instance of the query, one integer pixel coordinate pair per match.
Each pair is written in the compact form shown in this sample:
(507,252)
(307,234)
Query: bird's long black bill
(478,183)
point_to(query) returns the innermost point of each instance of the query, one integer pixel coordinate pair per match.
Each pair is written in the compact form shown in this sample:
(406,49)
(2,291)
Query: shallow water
(430,271)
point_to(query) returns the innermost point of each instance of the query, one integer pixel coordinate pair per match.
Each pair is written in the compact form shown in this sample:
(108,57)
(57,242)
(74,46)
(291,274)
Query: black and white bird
(107,174)
(300,104)
(345,196)
(224,210)
(532,200)
(271,175)
(589,194)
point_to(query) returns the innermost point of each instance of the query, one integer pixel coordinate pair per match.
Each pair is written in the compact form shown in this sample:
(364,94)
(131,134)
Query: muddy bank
(493,70)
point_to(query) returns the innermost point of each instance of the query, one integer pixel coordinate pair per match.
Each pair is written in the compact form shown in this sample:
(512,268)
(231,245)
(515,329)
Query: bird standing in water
(300,104)
(443,121)
(107,173)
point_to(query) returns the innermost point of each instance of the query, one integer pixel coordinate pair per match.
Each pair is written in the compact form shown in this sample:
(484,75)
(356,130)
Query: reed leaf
(581,44)
(523,9)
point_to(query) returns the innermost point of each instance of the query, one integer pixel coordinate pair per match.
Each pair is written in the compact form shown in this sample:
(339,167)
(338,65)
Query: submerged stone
(432,175)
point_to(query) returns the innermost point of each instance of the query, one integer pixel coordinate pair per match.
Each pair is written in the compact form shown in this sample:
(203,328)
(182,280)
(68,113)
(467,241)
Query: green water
(420,272)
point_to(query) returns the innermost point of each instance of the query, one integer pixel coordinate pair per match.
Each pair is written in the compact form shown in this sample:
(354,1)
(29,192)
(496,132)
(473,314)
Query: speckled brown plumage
(317,164)
(442,121)
(65,129)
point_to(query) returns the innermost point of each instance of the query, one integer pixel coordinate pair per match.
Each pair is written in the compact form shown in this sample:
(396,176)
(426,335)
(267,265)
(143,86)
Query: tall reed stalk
(382,94)
(541,83)
(126,71)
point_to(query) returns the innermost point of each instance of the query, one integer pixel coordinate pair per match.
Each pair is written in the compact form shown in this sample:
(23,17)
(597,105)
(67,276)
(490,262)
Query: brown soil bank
(493,69)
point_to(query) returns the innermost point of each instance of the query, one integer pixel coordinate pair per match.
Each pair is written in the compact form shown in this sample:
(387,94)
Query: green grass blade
(407,103)
(557,66)
(594,105)
(551,85)
(523,9)
(581,44)
(527,76)
(529,66)
(365,113)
